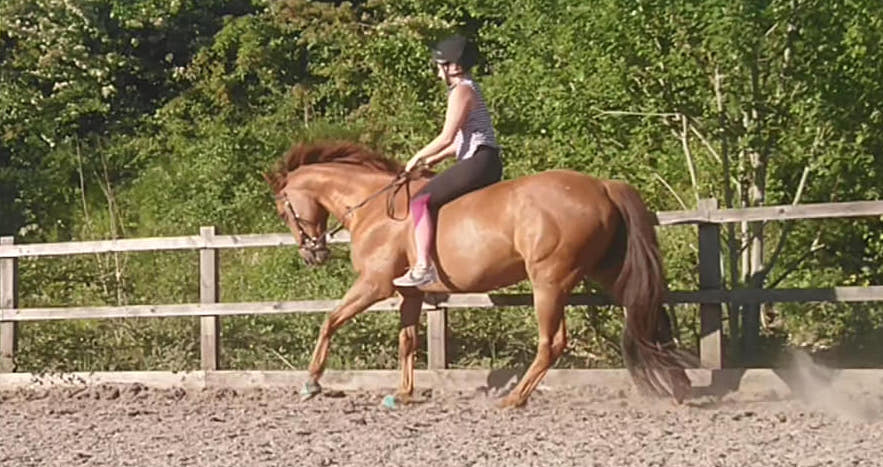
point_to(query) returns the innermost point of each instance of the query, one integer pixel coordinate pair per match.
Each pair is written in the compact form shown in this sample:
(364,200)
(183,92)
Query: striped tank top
(477,129)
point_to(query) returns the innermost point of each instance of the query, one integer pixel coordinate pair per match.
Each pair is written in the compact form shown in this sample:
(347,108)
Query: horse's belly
(475,256)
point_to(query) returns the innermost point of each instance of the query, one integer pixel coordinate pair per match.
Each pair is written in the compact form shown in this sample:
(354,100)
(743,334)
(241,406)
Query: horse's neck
(340,189)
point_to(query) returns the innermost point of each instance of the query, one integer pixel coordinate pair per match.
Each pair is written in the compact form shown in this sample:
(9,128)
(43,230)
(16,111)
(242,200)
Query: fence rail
(785,212)
(193,242)
(710,297)
(451,302)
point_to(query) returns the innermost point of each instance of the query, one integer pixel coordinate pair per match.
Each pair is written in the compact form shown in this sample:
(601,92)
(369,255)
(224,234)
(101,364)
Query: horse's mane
(301,154)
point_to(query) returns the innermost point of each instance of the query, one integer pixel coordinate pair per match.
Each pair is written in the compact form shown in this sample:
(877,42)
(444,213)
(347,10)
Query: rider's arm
(459,104)
(445,153)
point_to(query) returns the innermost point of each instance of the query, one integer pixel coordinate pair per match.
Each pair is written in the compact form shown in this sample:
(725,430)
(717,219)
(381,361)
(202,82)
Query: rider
(467,134)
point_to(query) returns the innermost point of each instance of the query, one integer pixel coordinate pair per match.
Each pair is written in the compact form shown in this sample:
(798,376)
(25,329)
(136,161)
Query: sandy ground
(135,425)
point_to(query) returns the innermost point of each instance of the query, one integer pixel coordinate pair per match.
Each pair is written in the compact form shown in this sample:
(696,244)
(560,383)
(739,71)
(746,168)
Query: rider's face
(440,71)
(452,69)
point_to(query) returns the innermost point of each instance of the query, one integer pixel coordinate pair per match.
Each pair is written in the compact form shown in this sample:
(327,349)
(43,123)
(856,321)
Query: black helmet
(456,49)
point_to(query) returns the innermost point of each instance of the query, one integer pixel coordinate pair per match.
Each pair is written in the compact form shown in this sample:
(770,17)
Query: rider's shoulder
(462,90)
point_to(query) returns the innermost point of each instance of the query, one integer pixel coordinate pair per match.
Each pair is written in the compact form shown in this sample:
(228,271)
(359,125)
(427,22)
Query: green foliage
(146,118)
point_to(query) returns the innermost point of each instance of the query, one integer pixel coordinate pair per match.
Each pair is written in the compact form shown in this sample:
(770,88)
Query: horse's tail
(647,341)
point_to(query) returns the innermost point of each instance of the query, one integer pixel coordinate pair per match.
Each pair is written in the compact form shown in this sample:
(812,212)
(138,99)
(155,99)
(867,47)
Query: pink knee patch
(419,207)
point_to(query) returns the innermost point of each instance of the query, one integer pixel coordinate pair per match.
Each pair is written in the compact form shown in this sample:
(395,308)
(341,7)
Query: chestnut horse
(556,228)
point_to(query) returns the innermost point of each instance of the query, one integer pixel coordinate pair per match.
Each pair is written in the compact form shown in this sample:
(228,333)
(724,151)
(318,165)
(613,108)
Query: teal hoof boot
(310,390)
(389,402)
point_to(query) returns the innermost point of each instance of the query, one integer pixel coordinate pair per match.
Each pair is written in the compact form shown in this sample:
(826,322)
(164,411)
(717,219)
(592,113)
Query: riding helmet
(456,49)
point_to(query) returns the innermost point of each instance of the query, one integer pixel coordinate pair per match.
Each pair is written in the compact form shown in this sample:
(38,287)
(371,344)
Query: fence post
(209,326)
(437,339)
(8,300)
(711,329)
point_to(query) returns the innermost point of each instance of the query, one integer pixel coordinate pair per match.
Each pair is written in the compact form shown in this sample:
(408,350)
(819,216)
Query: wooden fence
(710,295)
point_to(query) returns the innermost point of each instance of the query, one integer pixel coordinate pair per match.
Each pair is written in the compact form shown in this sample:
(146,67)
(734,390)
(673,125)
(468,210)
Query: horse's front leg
(358,298)
(410,318)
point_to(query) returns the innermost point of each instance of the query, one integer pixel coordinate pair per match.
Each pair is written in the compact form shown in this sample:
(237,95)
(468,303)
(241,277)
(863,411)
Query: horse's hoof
(681,388)
(512,403)
(680,394)
(310,390)
(389,402)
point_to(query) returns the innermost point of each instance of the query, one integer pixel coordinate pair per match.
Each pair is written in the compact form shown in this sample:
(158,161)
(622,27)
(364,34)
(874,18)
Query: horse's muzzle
(314,256)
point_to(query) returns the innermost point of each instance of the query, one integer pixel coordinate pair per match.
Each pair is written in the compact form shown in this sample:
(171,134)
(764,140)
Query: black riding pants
(478,171)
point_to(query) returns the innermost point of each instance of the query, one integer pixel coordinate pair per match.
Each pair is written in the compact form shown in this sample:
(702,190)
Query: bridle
(307,241)
(317,244)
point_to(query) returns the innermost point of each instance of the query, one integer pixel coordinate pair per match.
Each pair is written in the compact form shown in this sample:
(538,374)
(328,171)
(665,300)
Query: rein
(401,180)
(315,243)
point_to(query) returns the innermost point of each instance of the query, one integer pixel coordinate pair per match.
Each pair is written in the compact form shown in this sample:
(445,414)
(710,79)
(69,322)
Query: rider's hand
(415,161)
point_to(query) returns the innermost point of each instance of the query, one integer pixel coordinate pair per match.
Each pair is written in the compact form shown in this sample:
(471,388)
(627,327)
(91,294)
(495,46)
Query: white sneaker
(417,276)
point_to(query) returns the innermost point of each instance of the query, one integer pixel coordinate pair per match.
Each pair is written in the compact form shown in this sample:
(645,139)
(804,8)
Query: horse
(555,228)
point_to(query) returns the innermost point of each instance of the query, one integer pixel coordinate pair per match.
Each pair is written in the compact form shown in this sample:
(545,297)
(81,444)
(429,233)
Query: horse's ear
(269,180)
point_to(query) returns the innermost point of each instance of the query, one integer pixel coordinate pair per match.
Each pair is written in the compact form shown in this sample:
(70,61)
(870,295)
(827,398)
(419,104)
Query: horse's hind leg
(549,301)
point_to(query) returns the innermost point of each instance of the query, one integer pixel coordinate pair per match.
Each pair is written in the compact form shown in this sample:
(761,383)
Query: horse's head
(299,207)
(306,219)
